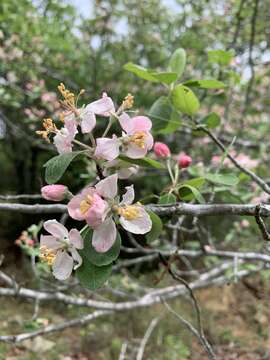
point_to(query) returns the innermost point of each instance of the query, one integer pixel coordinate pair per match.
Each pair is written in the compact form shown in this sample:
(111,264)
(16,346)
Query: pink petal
(75,238)
(56,229)
(71,125)
(140,225)
(74,208)
(141,123)
(62,265)
(103,106)
(149,141)
(88,119)
(135,152)
(108,187)
(97,212)
(126,123)
(49,241)
(128,197)
(107,149)
(104,236)
(63,141)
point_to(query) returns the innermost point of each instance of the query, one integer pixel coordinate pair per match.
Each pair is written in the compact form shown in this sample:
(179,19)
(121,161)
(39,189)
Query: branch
(263,185)
(162,210)
(21,196)
(146,337)
(53,328)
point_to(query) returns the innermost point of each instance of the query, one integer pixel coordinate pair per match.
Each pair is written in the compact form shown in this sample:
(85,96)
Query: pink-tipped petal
(141,123)
(56,229)
(104,236)
(88,120)
(103,106)
(49,242)
(128,197)
(97,212)
(107,149)
(63,141)
(62,265)
(149,141)
(71,125)
(75,238)
(108,187)
(140,225)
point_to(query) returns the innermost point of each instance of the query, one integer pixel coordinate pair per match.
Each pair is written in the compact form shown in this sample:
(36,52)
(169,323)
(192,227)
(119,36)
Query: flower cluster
(99,205)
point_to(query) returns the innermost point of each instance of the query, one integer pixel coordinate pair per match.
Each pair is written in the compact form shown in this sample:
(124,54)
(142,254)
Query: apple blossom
(59,249)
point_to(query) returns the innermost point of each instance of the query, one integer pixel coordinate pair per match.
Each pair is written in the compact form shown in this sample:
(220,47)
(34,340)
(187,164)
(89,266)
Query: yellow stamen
(49,127)
(129,212)
(47,255)
(69,97)
(86,204)
(128,102)
(138,138)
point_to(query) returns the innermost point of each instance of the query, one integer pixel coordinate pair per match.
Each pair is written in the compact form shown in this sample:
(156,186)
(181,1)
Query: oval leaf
(140,71)
(164,77)
(177,62)
(211,121)
(145,162)
(188,192)
(167,199)
(57,165)
(97,258)
(205,84)
(185,100)
(91,276)
(157,227)
(222,179)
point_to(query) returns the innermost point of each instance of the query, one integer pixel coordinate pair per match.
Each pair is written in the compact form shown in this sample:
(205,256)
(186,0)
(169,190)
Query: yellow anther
(128,102)
(138,138)
(86,204)
(47,255)
(129,212)
(69,97)
(49,127)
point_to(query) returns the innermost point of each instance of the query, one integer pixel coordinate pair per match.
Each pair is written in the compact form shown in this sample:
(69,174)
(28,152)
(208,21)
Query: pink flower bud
(54,192)
(161,150)
(184,160)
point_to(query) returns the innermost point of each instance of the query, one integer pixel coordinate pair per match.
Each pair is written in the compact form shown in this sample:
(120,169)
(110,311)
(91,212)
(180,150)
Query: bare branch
(146,337)
(261,224)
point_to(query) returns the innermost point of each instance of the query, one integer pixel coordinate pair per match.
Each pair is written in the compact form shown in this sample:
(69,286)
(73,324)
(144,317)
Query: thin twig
(146,337)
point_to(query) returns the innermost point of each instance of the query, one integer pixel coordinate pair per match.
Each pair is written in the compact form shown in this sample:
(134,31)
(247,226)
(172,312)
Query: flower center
(138,138)
(47,255)
(86,204)
(129,212)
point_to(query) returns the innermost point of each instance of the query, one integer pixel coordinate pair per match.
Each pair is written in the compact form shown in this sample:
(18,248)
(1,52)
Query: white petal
(104,236)
(135,152)
(62,265)
(108,187)
(75,238)
(88,120)
(56,229)
(140,225)
(128,197)
(76,257)
(107,149)
(49,241)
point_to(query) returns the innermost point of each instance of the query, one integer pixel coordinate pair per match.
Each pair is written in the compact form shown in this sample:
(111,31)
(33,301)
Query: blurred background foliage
(45,42)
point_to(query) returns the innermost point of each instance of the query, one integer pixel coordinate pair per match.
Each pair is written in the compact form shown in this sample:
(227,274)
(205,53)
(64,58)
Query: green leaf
(57,165)
(140,71)
(222,179)
(220,57)
(212,120)
(167,199)
(185,100)
(164,77)
(97,258)
(151,75)
(157,227)
(188,192)
(197,182)
(91,276)
(177,62)
(145,162)
(205,84)
(164,117)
